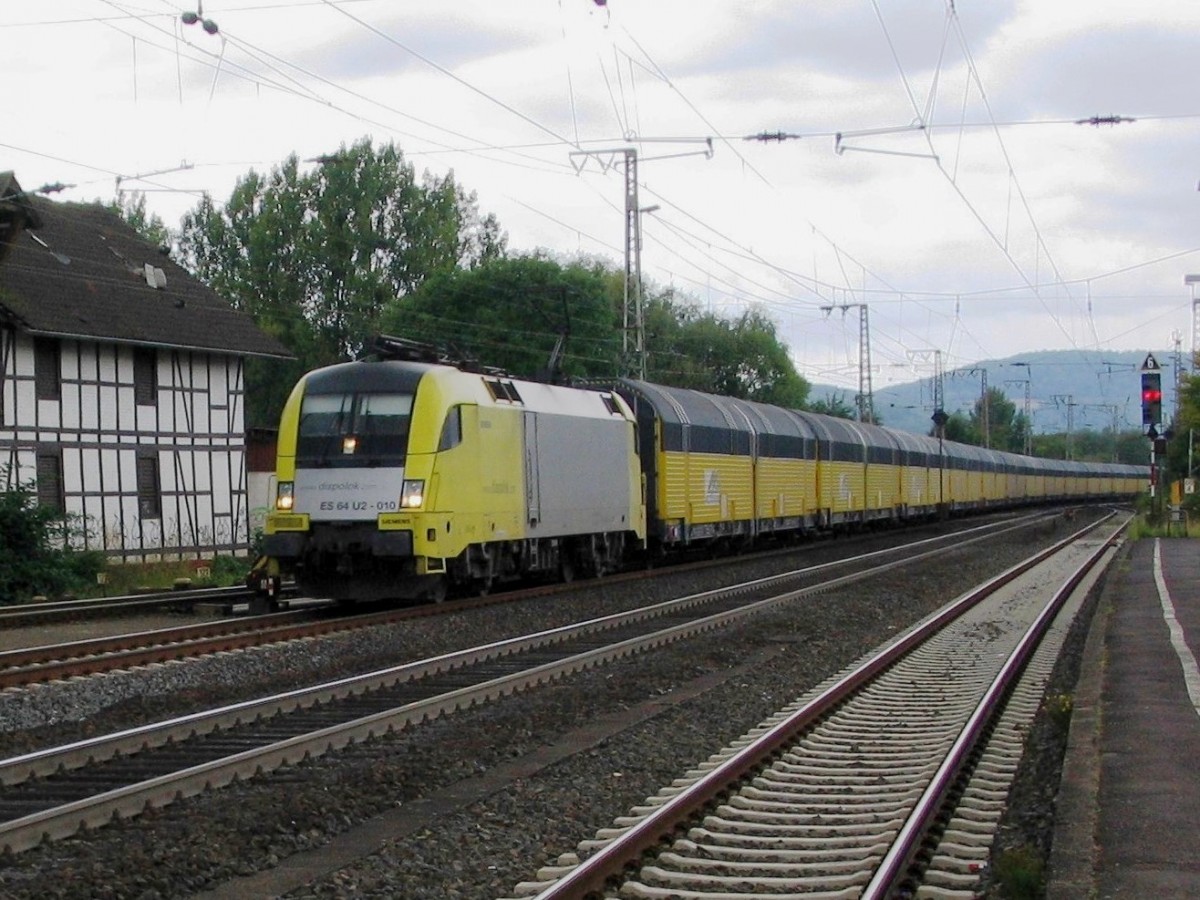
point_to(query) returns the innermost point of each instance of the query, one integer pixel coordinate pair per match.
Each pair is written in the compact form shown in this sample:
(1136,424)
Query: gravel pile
(512,815)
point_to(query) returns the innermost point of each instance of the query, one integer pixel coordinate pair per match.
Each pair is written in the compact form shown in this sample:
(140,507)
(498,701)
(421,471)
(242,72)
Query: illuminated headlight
(284,496)
(412,494)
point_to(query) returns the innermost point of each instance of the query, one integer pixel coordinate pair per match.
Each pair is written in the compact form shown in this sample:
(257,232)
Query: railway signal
(1151,392)
(1151,398)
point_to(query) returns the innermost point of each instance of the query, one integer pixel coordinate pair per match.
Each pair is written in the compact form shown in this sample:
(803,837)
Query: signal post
(1151,420)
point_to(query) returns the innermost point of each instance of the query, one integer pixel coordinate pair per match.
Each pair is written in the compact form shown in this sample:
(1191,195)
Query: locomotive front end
(343,485)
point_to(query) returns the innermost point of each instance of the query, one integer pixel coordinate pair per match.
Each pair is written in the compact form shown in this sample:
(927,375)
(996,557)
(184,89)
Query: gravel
(503,826)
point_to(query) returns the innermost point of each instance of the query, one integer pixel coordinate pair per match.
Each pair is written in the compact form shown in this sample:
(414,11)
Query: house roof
(80,271)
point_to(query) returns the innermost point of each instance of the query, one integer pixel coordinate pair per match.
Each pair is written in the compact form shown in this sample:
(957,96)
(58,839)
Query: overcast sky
(963,204)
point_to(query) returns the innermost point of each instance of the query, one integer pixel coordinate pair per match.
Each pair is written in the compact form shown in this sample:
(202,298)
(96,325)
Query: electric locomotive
(412,478)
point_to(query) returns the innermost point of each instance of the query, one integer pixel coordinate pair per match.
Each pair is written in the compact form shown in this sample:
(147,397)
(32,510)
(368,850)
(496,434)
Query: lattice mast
(866,396)
(633,318)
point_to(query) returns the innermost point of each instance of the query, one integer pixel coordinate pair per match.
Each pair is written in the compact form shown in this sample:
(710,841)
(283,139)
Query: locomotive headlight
(412,494)
(285,496)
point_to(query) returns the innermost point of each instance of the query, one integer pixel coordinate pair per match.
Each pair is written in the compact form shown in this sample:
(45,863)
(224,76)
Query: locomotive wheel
(438,590)
(566,569)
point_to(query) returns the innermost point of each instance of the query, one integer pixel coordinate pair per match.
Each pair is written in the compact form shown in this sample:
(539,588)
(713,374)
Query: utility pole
(1191,281)
(984,417)
(1069,399)
(939,402)
(865,401)
(1177,338)
(1114,409)
(1027,437)
(633,319)
(1028,381)
(985,404)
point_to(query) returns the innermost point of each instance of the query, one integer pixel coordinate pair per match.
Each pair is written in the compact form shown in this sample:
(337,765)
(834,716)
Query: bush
(35,552)
(230,569)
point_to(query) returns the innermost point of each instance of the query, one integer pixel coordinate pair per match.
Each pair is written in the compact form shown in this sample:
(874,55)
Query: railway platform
(1127,820)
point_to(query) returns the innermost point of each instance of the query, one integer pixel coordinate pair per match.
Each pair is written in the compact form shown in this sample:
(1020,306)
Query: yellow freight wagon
(697,457)
(841,471)
(918,474)
(785,469)
(884,472)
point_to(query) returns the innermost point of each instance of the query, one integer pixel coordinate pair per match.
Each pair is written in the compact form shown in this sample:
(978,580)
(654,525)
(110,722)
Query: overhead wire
(658,70)
(261,55)
(1002,245)
(448,73)
(864,291)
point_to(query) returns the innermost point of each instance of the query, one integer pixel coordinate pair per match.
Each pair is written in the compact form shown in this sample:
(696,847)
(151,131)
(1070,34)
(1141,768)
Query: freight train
(419,476)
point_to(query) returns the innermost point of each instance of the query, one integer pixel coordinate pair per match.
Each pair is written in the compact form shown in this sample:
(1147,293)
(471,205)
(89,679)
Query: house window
(145,376)
(49,481)
(47,369)
(149,496)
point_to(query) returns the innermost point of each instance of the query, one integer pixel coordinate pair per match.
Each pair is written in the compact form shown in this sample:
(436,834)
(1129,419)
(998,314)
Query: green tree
(35,553)
(1182,435)
(132,208)
(1093,446)
(510,312)
(315,256)
(959,428)
(1133,448)
(740,357)
(1007,428)
(834,404)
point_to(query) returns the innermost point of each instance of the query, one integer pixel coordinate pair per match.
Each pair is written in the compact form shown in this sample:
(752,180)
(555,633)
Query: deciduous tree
(315,255)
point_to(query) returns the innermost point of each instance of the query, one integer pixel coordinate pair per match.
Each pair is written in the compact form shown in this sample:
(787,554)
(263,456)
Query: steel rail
(95,655)
(25,666)
(893,868)
(592,875)
(25,832)
(44,762)
(183,596)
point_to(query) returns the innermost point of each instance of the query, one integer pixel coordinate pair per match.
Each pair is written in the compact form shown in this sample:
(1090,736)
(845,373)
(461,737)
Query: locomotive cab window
(451,430)
(354,430)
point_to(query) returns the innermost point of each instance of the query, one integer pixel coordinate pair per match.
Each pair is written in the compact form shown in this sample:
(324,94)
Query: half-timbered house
(121,384)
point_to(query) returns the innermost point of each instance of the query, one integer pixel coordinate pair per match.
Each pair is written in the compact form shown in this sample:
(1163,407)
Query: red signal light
(1151,398)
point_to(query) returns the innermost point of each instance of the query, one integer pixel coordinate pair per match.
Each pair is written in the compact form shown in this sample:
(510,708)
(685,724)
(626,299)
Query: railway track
(28,614)
(887,781)
(31,665)
(51,793)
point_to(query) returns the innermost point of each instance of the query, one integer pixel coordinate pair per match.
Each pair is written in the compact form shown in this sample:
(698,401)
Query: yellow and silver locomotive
(401,478)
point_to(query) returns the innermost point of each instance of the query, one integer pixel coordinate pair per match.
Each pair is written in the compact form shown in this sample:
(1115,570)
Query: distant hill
(1092,382)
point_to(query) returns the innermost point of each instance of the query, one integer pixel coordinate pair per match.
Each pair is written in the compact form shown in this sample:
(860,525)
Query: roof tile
(83,274)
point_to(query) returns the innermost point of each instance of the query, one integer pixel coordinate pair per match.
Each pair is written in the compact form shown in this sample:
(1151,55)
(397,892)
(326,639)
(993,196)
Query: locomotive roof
(396,377)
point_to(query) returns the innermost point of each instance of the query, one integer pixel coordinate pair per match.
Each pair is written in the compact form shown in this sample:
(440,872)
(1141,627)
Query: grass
(222,571)
(1146,527)
(1019,873)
